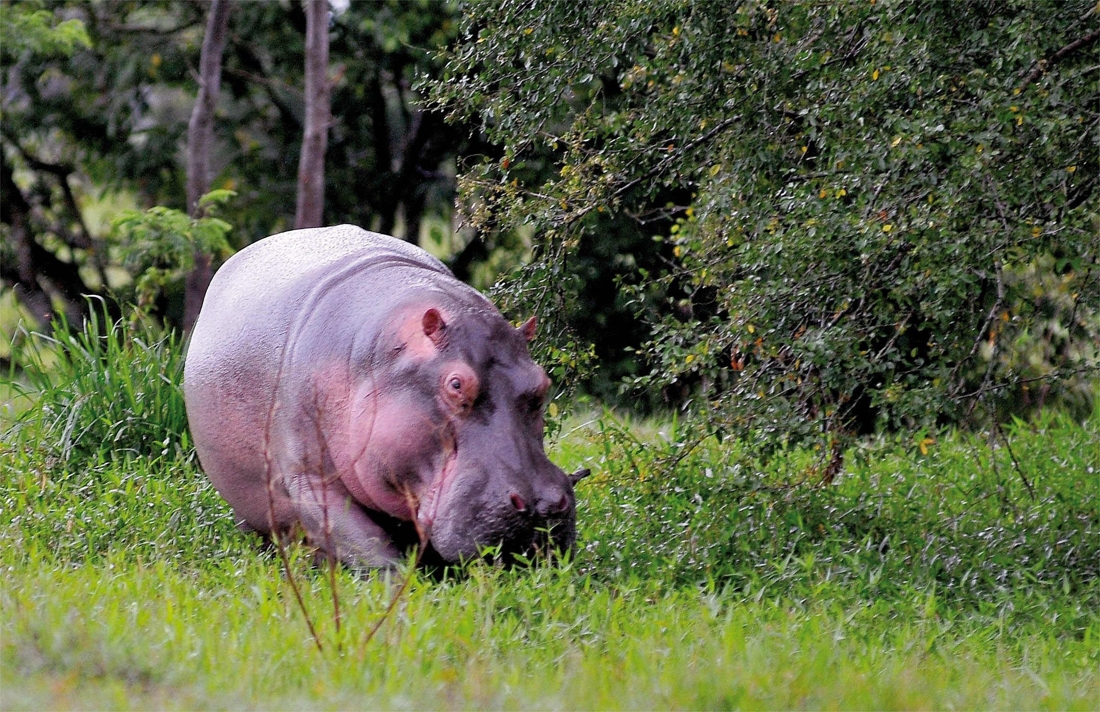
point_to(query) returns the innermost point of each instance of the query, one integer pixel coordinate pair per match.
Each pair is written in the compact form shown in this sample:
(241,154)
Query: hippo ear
(579,475)
(433,325)
(529,328)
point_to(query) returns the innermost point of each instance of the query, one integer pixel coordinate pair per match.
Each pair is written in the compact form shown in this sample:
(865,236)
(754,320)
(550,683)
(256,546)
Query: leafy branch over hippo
(346,382)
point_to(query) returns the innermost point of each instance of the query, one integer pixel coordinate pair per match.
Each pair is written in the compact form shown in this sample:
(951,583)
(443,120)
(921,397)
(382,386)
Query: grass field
(929,575)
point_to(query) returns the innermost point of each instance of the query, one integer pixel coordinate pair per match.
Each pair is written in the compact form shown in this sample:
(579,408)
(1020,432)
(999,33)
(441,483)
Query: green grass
(228,635)
(916,580)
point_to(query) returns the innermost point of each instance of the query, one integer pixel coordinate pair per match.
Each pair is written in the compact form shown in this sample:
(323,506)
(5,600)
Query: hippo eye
(459,388)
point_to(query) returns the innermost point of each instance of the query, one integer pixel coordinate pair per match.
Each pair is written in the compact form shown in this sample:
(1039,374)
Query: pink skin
(395,452)
(398,447)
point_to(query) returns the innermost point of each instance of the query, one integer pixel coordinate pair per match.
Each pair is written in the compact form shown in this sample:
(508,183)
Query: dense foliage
(867,214)
(96,99)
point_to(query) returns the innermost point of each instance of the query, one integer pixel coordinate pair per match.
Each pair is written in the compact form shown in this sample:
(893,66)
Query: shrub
(844,194)
(102,392)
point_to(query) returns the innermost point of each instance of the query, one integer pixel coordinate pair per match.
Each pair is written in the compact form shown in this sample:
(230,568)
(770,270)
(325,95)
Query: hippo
(344,382)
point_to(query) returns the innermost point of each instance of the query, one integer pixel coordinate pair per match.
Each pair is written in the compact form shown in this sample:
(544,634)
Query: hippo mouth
(428,508)
(547,540)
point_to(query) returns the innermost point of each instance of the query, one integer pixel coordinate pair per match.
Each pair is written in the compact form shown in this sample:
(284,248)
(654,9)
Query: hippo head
(466,401)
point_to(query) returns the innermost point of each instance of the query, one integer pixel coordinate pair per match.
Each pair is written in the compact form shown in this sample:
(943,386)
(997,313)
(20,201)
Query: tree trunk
(200,140)
(38,276)
(311,164)
(15,211)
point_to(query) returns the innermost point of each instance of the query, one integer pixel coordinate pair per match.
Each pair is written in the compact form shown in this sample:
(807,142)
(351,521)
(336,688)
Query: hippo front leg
(338,525)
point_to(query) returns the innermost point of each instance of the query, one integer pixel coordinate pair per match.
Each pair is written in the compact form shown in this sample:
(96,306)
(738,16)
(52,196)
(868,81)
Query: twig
(273,530)
(987,326)
(1053,376)
(1015,462)
(664,164)
(297,593)
(991,317)
(423,543)
(851,54)
(326,523)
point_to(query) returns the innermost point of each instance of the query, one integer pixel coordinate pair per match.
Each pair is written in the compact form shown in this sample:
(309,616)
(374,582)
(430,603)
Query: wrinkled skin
(345,382)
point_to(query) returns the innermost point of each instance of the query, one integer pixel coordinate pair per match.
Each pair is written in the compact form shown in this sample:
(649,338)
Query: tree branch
(1041,66)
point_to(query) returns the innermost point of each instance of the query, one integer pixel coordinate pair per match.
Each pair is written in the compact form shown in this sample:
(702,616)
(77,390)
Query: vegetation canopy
(832,217)
(96,100)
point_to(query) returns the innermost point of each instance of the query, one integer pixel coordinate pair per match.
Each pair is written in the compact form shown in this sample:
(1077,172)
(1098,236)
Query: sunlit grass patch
(229,634)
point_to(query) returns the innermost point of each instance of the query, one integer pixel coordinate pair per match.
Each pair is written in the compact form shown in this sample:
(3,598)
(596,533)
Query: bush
(844,194)
(103,392)
(101,462)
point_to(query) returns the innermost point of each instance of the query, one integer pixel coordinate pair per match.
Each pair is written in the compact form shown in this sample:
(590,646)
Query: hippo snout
(520,515)
(551,502)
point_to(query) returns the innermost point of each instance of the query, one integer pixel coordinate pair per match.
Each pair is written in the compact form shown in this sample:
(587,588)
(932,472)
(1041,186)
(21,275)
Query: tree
(847,195)
(311,165)
(28,33)
(200,140)
(105,125)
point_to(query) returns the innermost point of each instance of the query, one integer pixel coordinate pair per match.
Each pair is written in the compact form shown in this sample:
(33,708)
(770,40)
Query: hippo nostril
(552,509)
(518,503)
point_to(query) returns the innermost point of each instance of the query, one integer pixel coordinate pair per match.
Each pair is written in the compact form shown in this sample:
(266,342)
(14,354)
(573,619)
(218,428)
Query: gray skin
(346,382)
